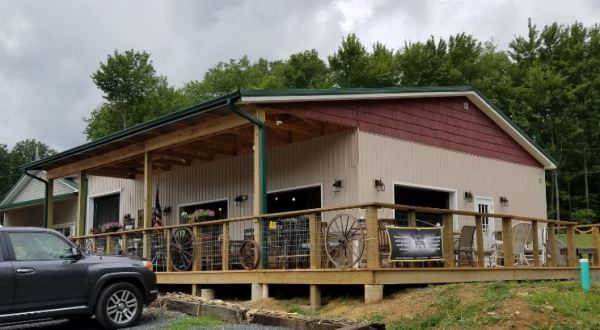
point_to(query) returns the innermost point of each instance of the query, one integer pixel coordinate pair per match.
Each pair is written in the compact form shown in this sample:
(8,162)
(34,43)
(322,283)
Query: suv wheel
(119,306)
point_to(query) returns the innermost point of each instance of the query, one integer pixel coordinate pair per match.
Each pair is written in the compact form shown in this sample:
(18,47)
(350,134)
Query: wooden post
(372,237)
(507,242)
(257,196)
(225,247)
(81,203)
(552,244)
(571,253)
(109,248)
(124,244)
(167,233)
(412,218)
(197,258)
(596,243)
(315,296)
(147,201)
(479,241)
(314,234)
(536,243)
(448,240)
(50,204)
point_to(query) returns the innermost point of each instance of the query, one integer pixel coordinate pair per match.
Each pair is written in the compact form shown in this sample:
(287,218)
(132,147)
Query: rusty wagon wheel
(86,245)
(249,254)
(344,241)
(182,249)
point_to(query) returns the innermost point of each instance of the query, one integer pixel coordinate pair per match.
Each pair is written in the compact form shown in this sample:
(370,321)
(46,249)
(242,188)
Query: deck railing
(346,237)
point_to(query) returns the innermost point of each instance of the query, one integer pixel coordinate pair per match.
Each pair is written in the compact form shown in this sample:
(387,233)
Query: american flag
(157,216)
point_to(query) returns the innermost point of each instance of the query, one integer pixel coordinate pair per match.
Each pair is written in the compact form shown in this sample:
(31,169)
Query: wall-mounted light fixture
(468,196)
(503,201)
(379,185)
(166,210)
(337,186)
(237,200)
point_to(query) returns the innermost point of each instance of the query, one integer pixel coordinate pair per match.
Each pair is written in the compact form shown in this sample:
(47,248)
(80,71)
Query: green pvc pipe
(584,265)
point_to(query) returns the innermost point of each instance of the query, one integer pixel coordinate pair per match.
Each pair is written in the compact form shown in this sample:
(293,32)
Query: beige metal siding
(401,161)
(34,189)
(65,211)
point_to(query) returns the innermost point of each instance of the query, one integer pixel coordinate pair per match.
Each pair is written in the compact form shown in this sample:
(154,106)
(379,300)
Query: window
(203,211)
(38,246)
(293,200)
(420,197)
(106,210)
(66,229)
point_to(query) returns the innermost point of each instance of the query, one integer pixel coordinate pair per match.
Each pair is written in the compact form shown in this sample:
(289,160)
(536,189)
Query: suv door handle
(25,270)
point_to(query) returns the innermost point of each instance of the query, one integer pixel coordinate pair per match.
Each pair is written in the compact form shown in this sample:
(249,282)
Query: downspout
(262,141)
(45,194)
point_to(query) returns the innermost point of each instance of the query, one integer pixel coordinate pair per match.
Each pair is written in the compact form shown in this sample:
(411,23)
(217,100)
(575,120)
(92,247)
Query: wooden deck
(289,259)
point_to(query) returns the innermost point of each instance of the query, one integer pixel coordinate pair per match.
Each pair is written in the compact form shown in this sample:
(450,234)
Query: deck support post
(315,296)
(147,201)
(256,293)
(225,247)
(81,203)
(596,244)
(373,293)
(479,241)
(552,244)
(372,238)
(536,243)
(447,238)
(196,290)
(314,232)
(571,253)
(507,242)
(50,203)
(197,251)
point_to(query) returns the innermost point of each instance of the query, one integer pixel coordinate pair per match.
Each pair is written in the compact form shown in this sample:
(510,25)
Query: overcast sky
(48,49)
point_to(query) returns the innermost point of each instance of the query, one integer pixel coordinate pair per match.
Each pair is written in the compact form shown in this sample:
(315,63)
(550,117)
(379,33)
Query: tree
(304,70)
(349,65)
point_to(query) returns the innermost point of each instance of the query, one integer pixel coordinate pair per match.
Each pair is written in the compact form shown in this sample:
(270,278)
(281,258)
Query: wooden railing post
(197,258)
(448,240)
(262,263)
(596,243)
(314,234)
(536,243)
(412,218)
(108,248)
(479,241)
(225,247)
(571,253)
(552,245)
(124,244)
(507,242)
(169,265)
(146,250)
(372,237)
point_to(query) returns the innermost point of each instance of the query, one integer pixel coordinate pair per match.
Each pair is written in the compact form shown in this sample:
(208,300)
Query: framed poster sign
(415,243)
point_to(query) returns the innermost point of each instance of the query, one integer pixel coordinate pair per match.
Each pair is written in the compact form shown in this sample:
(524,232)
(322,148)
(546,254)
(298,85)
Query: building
(259,152)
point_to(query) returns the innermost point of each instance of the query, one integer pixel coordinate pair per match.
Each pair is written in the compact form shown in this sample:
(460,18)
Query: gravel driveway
(152,318)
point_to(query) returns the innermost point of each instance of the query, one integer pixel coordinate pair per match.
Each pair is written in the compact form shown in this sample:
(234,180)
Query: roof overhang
(497,116)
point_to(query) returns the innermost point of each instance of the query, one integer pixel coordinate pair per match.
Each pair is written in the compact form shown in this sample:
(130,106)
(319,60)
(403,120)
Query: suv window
(1,247)
(38,246)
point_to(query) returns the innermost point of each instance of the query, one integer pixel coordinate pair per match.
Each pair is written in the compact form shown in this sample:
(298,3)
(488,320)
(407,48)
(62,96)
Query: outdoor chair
(384,241)
(464,246)
(519,239)
(560,253)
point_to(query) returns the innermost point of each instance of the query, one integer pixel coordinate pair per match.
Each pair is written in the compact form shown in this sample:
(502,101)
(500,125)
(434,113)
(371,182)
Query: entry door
(486,205)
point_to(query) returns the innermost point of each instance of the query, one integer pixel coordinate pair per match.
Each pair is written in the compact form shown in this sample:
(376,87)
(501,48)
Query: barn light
(239,199)
(469,196)
(503,201)
(379,185)
(337,186)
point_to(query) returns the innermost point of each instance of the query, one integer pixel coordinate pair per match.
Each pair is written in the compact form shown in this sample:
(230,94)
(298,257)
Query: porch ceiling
(282,128)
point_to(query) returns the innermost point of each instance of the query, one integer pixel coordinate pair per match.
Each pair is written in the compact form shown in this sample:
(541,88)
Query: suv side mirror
(76,253)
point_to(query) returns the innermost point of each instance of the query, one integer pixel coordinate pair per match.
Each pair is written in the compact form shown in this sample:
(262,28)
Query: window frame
(11,251)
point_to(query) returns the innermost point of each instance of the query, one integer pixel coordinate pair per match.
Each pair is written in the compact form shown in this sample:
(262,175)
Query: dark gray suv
(44,275)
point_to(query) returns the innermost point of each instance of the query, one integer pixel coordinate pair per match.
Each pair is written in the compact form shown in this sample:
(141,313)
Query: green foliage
(585,216)
(196,322)
(349,65)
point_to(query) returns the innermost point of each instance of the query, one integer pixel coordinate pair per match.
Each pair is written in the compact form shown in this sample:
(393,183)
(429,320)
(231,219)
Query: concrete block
(373,293)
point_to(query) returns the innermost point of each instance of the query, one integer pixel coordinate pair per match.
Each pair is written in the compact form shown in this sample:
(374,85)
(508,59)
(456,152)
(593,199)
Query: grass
(195,322)
(581,240)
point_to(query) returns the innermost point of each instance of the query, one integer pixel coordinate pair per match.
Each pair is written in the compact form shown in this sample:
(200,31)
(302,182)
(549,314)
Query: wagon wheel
(344,241)
(249,254)
(86,245)
(182,249)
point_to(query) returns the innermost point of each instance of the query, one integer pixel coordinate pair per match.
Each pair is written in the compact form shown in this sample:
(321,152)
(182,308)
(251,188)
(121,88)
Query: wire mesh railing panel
(135,244)
(243,250)
(208,245)
(286,243)
(100,246)
(158,250)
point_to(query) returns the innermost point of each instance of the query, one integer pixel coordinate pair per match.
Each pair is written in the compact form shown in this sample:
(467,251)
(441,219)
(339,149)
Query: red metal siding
(440,122)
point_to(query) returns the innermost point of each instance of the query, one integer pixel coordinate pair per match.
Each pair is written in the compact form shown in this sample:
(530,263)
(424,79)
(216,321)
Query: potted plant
(198,216)
(111,227)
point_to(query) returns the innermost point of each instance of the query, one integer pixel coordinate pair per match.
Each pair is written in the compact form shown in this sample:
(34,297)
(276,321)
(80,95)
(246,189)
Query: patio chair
(560,253)
(519,239)
(464,246)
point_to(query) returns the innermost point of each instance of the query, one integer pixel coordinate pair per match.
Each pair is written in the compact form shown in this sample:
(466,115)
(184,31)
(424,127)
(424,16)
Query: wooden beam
(184,155)
(372,237)
(536,243)
(172,139)
(412,218)
(571,248)
(552,244)
(292,127)
(81,203)
(507,242)
(225,247)
(314,234)
(148,168)
(448,240)
(260,114)
(596,244)
(479,241)
(50,204)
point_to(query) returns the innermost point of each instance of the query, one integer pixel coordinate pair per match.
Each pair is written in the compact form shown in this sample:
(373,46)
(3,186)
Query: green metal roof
(37,201)
(219,102)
